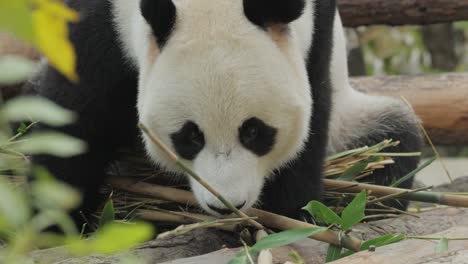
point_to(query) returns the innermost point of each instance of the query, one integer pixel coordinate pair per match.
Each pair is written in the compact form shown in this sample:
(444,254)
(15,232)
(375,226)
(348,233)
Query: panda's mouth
(225,211)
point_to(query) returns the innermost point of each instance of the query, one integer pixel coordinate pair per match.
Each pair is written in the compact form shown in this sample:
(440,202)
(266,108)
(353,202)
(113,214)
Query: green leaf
(50,194)
(14,209)
(108,214)
(333,253)
(113,238)
(285,238)
(354,212)
(15,69)
(442,246)
(413,173)
(242,259)
(47,218)
(37,109)
(51,143)
(297,258)
(16,18)
(382,241)
(322,213)
(357,169)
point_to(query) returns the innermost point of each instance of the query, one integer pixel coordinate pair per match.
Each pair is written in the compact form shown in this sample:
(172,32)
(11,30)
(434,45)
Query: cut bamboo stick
(379,191)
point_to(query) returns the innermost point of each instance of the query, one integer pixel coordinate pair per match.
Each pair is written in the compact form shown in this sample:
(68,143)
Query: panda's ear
(266,12)
(161,16)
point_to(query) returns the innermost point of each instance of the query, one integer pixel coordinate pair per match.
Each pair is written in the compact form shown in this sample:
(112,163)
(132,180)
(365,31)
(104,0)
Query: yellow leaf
(51,20)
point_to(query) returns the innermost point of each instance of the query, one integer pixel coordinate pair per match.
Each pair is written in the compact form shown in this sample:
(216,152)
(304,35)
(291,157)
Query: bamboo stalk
(379,191)
(266,218)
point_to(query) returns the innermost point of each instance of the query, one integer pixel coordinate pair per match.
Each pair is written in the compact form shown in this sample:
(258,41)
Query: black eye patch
(188,141)
(257,136)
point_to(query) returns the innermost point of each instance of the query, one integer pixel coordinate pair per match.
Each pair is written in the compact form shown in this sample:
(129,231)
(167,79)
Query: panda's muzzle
(225,211)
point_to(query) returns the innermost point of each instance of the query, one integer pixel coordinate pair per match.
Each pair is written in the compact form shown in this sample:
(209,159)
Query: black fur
(294,186)
(265,12)
(161,16)
(257,136)
(104,99)
(188,141)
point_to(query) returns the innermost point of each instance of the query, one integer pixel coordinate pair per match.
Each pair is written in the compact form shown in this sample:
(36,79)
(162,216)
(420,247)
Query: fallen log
(441,101)
(401,12)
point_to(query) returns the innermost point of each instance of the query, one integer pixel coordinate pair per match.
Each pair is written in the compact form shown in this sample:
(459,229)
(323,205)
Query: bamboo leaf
(354,212)
(104,241)
(297,258)
(15,17)
(15,69)
(14,209)
(51,20)
(285,238)
(357,169)
(322,213)
(413,173)
(442,246)
(382,241)
(333,253)
(37,109)
(51,143)
(108,214)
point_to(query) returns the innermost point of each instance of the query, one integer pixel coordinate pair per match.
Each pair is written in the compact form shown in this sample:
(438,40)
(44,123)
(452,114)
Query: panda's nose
(224,211)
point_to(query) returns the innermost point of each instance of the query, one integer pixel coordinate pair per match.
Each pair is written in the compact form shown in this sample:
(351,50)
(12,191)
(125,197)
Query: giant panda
(251,94)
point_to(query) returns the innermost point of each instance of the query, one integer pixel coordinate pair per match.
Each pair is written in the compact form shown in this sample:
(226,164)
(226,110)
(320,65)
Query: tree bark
(441,101)
(401,12)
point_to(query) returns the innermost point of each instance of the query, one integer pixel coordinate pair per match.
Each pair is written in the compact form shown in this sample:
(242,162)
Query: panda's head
(224,84)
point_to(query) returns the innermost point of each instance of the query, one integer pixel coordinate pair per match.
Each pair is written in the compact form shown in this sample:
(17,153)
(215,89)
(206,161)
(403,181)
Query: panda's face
(230,98)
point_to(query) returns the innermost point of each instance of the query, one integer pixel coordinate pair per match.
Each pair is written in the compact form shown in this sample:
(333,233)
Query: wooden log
(441,101)
(401,12)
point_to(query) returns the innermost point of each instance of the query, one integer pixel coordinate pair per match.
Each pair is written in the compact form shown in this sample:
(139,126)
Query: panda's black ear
(265,12)
(161,16)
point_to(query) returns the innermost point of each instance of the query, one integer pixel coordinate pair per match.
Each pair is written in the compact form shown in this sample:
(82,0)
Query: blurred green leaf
(48,218)
(108,214)
(442,246)
(15,69)
(113,238)
(333,253)
(297,258)
(15,17)
(322,213)
(14,208)
(354,212)
(241,259)
(37,109)
(52,194)
(51,143)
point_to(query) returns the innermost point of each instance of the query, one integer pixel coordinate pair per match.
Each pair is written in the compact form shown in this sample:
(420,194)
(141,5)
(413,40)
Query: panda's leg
(106,120)
(362,120)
